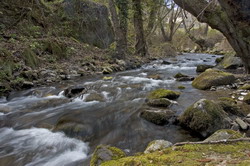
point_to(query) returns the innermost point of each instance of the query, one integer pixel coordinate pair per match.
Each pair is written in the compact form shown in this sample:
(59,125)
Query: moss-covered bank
(191,155)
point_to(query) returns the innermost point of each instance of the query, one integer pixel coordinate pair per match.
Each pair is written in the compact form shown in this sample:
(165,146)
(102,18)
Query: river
(28,118)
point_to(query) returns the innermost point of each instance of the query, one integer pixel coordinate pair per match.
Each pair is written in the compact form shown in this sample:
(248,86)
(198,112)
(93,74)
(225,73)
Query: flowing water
(27,117)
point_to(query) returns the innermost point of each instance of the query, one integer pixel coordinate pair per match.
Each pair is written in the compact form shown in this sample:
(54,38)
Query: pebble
(241,98)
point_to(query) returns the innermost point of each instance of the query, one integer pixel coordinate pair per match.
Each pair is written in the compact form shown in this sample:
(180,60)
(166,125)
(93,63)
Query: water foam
(47,148)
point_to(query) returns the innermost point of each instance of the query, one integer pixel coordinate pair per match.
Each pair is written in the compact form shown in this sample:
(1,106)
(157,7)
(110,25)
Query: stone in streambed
(163,102)
(104,153)
(157,145)
(163,93)
(224,134)
(157,116)
(205,117)
(74,91)
(212,77)
(202,68)
(95,97)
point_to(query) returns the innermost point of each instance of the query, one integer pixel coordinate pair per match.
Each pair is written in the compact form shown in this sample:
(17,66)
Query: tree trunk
(140,45)
(120,32)
(231,18)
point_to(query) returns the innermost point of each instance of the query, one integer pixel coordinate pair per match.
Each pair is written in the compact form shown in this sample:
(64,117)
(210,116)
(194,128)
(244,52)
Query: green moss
(195,155)
(247,98)
(211,78)
(181,87)
(163,93)
(245,87)
(116,153)
(204,115)
(30,58)
(180,75)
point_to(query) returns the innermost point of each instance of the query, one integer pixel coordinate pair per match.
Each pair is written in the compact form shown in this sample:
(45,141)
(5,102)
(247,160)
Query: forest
(124,82)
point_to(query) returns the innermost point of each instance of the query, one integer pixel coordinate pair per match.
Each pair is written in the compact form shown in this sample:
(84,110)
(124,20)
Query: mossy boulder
(162,102)
(230,62)
(218,60)
(211,78)
(245,87)
(202,68)
(163,93)
(104,153)
(190,155)
(224,134)
(205,117)
(247,98)
(157,116)
(157,145)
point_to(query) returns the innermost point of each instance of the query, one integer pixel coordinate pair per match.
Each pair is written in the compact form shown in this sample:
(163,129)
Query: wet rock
(202,68)
(94,96)
(211,78)
(230,62)
(157,145)
(224,134)
(183,77)
(245,87)
(181,87)
(163,93)
(247,98)
(166,62)
(74,91)
(205,117)
(104,153)
(155,77)
(180,75)
(157,116)
(163,102)
(241,123)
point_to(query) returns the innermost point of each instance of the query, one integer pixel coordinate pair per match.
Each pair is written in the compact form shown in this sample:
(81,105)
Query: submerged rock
(157,116)
(205,117)
(224,134)
(202,68)
(94,96)
(211,78)
(183,77)
(74,91)
(104,153)
(163,93)
(157,145)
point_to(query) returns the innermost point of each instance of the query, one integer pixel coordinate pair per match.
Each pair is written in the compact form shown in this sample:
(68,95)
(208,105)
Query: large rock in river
(230,62)
(205,117)
(224,134)
(212,77)
(157,145)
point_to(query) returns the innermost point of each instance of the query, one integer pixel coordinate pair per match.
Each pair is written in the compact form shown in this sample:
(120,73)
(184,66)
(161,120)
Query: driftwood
(213,142)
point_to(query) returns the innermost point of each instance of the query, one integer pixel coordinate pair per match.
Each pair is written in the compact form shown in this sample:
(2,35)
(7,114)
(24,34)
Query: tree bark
(231,17)
(120,31)
(140,46)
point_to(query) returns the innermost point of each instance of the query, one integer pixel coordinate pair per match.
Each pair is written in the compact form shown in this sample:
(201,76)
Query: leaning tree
(231,17)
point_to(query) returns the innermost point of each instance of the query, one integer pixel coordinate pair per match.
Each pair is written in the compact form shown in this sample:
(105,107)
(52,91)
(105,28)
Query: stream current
(26,117)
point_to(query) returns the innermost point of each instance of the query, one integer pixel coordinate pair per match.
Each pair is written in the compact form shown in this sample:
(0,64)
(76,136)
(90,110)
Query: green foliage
(30,58)
(195,155)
